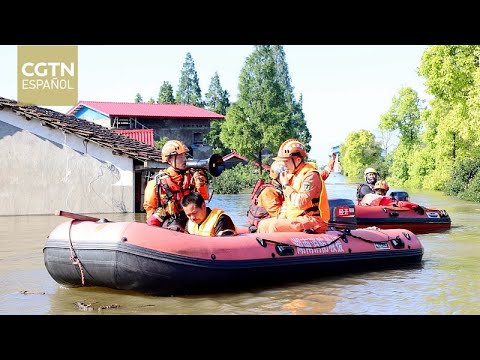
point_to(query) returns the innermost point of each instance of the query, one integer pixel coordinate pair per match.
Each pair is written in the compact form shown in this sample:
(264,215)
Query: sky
(345,88)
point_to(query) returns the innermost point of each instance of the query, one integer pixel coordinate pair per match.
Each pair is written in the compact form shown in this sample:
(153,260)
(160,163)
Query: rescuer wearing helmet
(267,197)
(306,202)
(371,176)
(381,187)
(379,197)
(164,193)
(271,198)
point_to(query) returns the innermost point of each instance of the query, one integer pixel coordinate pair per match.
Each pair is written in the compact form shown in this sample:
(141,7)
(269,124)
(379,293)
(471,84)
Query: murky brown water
(447,281)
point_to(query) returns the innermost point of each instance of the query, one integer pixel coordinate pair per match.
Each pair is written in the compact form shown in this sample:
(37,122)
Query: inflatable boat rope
(73,255)
(396,242)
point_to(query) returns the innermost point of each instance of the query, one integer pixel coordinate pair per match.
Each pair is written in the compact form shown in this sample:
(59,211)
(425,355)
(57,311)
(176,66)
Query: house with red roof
(184,122)
(233,159)
(52,161)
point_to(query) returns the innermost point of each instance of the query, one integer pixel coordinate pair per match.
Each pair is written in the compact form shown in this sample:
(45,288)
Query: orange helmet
(382,184)
(291,147)
(173,147)
(276,168)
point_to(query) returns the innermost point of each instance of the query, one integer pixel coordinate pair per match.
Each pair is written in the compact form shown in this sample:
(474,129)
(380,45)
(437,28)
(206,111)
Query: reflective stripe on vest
(207,227)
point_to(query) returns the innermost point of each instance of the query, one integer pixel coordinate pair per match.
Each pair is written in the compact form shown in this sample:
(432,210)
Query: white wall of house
(44,169)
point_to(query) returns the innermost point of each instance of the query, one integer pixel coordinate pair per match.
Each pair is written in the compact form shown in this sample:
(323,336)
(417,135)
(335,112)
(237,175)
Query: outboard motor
(342,214)
(399,195)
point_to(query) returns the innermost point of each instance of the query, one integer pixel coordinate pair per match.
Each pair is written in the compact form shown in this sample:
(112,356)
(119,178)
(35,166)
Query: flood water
(446,282)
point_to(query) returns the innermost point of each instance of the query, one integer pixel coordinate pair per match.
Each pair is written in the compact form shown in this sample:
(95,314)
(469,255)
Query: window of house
(198,138)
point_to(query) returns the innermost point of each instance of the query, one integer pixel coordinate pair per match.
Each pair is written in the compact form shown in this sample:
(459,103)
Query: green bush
(233,181)
(465,182)
(472,192)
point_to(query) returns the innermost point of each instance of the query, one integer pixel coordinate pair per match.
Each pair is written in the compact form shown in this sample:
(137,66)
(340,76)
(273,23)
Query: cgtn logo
(51,75)
(47,75)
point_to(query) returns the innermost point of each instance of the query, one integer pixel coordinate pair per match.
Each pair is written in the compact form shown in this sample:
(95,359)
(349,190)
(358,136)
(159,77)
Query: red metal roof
(234,154)
(170,111)
(143,135)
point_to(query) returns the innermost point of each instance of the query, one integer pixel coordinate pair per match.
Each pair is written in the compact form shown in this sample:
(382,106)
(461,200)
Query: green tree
(138,98)
(189,89)
(298,123)
(159,143)
(260,118)
(216,100)
(165,95)
(151,100)
(234,180)
(404,115)
(452,128)
(360,151)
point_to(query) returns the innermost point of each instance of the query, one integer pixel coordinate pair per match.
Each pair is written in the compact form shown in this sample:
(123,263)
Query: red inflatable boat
(148,259)
(418,219)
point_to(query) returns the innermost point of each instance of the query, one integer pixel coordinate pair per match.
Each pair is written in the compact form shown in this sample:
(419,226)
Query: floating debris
(27,292)
(105,307)
(84,307)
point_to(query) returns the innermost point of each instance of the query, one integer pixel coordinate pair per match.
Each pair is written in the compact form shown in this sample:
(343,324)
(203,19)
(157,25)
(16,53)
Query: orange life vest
(315,207)
(256,213)
(170,194)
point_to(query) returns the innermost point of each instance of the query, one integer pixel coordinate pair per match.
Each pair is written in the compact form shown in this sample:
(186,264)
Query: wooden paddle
(75,216)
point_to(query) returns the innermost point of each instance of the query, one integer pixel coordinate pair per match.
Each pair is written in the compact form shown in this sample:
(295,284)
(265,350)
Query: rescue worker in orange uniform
(271,198)
(306,200)
(379,197)
(267,198)
(164,193)
(327,170)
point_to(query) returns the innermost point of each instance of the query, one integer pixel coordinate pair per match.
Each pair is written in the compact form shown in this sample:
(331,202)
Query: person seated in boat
(306,203)
(164,193)
(367,187)
(267,198)
(379,197)
(205,221)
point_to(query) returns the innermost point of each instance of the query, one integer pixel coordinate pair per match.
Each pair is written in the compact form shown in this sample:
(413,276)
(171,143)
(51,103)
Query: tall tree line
(439,144)
(265,114)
